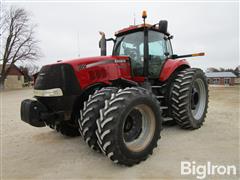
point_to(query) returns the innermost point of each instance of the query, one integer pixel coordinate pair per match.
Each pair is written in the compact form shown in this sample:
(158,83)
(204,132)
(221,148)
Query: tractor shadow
(46,153)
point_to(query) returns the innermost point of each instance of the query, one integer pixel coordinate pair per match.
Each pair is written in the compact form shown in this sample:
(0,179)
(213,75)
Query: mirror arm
(111,39)
(174,56)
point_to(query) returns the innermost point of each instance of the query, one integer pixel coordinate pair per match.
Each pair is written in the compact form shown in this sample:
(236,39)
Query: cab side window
(169,47)
(157,49)
(157,45)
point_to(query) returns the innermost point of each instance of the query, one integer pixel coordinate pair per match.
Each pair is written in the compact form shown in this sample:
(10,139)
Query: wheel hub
(195,98)
(198,98)
(139,128)
(133,126)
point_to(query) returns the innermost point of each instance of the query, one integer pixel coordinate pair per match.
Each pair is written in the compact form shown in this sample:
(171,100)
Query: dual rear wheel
(189,98)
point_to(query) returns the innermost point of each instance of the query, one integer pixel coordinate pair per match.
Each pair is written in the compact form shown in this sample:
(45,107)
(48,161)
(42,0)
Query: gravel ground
(41,153)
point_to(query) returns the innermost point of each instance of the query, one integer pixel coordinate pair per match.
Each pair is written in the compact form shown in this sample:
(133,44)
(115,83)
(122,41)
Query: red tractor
(118,103)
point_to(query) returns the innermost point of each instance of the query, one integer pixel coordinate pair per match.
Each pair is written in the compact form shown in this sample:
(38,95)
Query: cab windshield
(132,45)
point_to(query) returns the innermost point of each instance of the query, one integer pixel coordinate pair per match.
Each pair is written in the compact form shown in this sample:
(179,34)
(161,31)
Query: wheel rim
(132,126)
(138,128)
(198,98)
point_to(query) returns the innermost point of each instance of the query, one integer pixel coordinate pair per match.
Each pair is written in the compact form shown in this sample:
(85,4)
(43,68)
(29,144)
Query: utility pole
(134,19)
(78,45)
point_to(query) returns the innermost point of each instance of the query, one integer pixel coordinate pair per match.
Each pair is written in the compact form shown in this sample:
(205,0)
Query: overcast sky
(69,29)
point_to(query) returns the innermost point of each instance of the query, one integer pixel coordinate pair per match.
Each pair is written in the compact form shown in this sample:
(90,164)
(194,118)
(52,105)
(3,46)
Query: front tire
(189,98)
(129,126)
(90,113)
(66,128)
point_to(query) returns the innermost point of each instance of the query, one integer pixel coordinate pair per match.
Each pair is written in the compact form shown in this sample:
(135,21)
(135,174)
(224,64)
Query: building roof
(13,71)
(220,74)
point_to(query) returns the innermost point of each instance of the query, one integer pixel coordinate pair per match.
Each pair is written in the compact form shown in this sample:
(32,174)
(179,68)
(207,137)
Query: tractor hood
(65,74)
(90,60)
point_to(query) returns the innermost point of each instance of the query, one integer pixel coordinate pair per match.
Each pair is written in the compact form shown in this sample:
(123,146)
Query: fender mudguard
(170,66)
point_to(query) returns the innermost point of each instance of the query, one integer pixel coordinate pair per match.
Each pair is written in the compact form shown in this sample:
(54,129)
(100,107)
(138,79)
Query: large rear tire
(189,98)
(90,113)
(129,126)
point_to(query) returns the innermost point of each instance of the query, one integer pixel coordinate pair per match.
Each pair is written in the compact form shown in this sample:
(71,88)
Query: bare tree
(19,42)
(30,69)
(237,71)
(212,69)
(221,69)
(33,69)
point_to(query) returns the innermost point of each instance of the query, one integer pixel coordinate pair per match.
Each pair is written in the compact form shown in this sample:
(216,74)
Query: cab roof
(134,28)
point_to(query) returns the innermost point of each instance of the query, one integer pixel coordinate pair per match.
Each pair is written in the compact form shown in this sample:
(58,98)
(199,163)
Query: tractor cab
(131,43)
(147,46)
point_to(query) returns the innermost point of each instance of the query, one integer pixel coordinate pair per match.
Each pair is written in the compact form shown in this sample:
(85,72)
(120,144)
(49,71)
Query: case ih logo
(84,66)
(120,61)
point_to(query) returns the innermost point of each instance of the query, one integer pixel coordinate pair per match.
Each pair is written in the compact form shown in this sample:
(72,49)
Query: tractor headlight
(48,92)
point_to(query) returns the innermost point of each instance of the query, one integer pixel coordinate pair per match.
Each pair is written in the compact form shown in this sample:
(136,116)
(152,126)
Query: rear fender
(170,66)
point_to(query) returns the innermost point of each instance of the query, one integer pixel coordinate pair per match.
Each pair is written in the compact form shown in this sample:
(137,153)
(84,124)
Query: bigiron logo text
(201,171)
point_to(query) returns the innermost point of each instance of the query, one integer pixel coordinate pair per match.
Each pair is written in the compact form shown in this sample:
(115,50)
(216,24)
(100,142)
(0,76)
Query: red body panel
(102,73)
(103,69)
(170,66)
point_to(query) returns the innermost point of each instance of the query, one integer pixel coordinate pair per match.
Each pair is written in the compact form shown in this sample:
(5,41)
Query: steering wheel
(129,51)
(132,53)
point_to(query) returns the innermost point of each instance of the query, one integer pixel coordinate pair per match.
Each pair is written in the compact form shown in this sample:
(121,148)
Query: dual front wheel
(125,125)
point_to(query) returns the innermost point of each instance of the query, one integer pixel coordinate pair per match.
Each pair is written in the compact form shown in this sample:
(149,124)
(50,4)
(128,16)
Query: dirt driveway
(41,153)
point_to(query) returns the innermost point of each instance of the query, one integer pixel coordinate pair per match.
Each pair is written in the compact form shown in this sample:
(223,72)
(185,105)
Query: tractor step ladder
(164,108)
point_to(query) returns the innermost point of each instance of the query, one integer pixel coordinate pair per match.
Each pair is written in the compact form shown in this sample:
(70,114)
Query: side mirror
(103,44)
(166,54)
(174,56)
(163,25)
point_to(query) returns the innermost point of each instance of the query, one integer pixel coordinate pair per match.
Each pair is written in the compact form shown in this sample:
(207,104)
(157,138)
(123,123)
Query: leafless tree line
(236,70)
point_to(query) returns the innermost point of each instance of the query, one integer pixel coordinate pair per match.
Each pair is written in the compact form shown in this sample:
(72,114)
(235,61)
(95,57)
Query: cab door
(158,53)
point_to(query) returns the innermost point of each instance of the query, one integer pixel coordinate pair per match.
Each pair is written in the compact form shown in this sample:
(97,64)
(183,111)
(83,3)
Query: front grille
(58,76)
(49,77)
